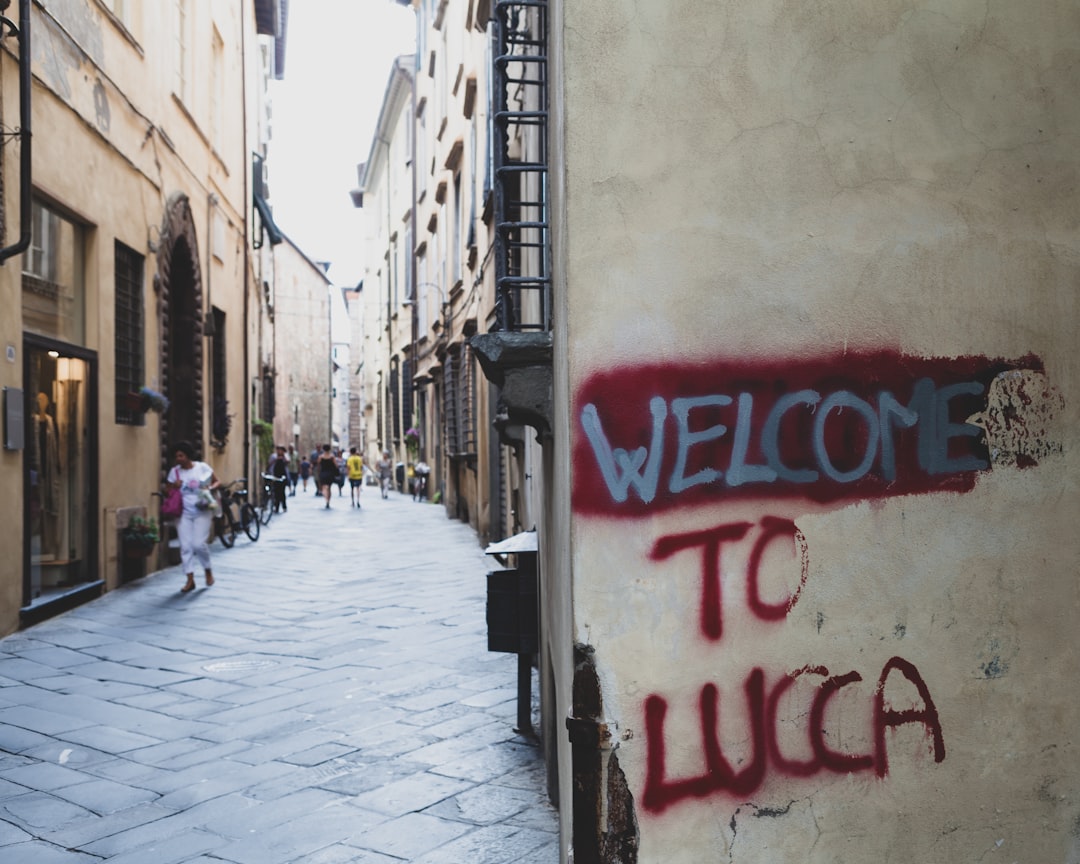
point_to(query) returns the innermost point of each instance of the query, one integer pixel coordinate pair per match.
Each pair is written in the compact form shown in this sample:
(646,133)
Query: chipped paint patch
(1021,418)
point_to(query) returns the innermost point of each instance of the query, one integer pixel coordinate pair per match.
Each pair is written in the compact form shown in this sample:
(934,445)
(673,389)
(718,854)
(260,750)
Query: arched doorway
(180,284)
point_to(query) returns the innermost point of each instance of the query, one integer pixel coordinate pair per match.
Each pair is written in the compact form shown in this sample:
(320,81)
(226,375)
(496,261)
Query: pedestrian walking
(386,472)
(294,469)
(355,467)
(342,470)
(305,472)
(279,468)
(196,482)
(326,470)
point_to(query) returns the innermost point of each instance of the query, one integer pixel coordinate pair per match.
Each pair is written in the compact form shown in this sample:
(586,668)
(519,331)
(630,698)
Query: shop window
(59,496)
(129,340)
(53,297)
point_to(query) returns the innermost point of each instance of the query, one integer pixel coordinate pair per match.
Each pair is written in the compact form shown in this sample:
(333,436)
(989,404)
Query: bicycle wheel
(226,530)
(266,509)
(249,521)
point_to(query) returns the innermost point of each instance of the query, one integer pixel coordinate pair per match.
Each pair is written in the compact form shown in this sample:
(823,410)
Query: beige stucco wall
(301,348)
(112,141)
(761,182)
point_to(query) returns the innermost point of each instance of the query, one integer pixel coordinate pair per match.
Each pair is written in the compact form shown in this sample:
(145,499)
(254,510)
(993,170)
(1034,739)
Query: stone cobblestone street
(330,699)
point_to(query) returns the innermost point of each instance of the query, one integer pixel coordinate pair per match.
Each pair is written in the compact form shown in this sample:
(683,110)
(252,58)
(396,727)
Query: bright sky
(337,61)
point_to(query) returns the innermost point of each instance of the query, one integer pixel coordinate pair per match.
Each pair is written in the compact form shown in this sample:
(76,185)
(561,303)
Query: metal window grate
(130,330)
(395,400)
(520,151)
(459,391)
(220,423)
(407,395)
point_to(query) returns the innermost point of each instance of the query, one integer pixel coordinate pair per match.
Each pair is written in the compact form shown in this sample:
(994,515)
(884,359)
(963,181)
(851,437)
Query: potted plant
(139,537)
(412,441)
(147,399)
(221,423)
(153,401)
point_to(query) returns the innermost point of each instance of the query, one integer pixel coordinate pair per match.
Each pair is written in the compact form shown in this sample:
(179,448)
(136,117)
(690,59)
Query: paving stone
(11,790)
(43,776)
(11,834)
(172,850)
(56,657)
(410,794)
(341,854)
(92,827)
(495,844)
(483,805)
(319,754)
(108,739)
(298,837)
(412,835)
(484,764)
(105,796)
(307,710)
(37,720)
(38,852)
(15,739)
(38,810)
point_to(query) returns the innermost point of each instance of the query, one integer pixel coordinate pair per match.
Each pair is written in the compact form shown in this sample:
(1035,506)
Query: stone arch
(179,283)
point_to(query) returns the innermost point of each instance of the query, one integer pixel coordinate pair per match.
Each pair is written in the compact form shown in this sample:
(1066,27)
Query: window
(129,338)
(217,95)
(220,421)
(395,400)
(53,299)
(423,169)
(268,401)
(459,391)
(181,57)
(455,251)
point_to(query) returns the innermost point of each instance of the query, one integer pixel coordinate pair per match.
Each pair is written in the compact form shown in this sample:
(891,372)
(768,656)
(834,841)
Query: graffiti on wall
(762,697)
(849,427)
(827,431)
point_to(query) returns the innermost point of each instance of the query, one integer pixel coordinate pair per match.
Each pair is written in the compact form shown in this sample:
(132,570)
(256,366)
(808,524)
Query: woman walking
(326,469)
(196,482)
(305,471)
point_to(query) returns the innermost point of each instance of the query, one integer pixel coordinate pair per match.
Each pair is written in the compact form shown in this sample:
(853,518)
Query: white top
(192,482)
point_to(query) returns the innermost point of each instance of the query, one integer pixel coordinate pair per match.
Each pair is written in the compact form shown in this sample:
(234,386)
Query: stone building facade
(777,312)
(134,273)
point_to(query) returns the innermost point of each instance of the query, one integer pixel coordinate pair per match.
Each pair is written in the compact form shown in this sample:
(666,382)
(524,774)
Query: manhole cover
(238,665)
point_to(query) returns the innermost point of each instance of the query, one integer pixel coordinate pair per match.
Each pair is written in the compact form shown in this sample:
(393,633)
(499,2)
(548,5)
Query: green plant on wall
(264,439)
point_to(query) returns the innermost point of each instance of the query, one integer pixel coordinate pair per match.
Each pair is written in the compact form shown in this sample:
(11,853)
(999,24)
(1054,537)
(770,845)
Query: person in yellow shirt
(355,466)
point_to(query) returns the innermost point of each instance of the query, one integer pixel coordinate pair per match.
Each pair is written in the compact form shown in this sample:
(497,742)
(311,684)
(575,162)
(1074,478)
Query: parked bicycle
(237,514)
(420,480)
(268,500)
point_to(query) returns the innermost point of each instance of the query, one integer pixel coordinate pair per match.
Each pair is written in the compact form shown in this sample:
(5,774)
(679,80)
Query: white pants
(193,529)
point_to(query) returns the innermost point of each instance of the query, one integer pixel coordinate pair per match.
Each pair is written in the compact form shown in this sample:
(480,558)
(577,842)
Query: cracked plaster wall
(776,180)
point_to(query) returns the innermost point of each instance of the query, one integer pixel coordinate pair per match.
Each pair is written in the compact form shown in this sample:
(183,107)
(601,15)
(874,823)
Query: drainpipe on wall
(245,398)
(22,33)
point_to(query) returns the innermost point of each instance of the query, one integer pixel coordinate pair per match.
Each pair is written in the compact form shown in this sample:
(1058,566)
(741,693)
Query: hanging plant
(151,400)
(264,439)
(144,399)
(221,424)
(412,440)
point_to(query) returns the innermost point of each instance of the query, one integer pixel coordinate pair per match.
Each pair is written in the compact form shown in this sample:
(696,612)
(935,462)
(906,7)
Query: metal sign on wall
(14,431)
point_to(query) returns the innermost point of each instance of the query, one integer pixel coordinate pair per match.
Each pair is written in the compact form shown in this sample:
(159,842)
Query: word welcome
(856,426)
(718,776)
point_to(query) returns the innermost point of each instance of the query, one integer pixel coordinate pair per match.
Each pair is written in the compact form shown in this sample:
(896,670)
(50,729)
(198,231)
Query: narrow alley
(330,699)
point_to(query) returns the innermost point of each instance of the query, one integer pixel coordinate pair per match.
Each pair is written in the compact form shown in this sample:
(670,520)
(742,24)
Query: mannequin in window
(46,462)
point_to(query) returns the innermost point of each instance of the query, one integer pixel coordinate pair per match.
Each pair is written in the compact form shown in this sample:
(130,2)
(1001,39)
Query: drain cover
(238,665)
